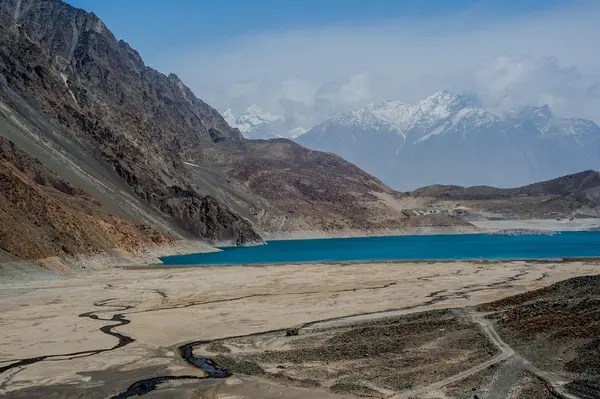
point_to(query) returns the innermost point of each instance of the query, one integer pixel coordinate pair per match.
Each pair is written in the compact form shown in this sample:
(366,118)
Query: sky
(309,60)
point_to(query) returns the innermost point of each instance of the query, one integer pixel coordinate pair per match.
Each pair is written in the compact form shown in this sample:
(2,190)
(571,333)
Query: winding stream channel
(140,387)
(208,366)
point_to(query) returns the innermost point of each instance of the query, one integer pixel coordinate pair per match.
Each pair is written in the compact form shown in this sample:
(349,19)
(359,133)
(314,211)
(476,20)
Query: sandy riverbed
(169,307)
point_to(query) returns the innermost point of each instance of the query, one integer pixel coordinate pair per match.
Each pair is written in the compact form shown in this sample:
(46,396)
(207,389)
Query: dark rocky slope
(130,118)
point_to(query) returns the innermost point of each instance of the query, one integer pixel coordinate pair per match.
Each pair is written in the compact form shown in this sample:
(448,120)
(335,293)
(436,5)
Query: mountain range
(450,139)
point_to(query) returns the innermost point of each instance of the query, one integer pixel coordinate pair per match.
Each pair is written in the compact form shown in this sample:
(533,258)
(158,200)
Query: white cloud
(311,74)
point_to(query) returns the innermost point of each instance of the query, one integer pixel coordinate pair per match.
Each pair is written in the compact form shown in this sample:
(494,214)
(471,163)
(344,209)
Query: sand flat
(171,306)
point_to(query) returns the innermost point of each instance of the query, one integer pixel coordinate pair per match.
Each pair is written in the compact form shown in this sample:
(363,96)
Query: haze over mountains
(450,139)
(446,138)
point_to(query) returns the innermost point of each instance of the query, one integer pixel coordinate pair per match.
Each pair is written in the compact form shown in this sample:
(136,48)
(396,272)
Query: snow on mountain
(449,139)
(402,118)
(295,132)
(406,116)
(255,123)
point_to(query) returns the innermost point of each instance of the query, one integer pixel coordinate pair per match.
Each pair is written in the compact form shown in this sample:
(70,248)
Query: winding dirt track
(506,352)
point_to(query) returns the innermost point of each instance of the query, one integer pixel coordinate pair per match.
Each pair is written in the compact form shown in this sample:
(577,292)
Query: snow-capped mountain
(254,123)
(449,139)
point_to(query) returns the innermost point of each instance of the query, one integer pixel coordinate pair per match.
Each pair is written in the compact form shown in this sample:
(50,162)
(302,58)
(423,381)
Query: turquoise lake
(424,247)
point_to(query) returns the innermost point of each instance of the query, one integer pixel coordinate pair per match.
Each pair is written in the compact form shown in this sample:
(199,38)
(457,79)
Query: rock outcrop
(136,121)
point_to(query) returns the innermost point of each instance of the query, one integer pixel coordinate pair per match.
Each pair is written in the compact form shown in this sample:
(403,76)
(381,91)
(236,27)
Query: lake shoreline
(360,262)
(483,247)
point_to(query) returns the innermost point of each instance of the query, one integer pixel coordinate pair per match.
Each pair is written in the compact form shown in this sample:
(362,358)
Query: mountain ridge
(149,151)
(563,185)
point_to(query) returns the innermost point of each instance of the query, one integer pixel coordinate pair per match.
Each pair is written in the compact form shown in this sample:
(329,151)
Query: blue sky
(311,59)
(156,26)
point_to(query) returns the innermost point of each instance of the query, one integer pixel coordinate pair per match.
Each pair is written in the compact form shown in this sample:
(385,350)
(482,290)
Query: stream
(140,387)
(212,370)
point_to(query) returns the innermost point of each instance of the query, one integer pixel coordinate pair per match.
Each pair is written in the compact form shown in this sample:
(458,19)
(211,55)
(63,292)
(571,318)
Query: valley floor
(51,341)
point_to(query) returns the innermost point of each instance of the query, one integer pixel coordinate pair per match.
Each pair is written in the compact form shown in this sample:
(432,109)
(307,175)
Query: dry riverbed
(51,342)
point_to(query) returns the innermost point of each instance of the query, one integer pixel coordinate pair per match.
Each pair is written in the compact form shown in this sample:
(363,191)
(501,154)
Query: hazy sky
(310,59)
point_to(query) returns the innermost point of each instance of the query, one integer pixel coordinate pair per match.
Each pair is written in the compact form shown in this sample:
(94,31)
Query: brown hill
(578,193)
(564,185)
(43,216)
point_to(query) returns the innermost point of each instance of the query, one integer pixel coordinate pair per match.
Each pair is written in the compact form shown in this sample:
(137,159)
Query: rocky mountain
(68,83)
(149,151)
(450,138)
(254,123)
(571,195)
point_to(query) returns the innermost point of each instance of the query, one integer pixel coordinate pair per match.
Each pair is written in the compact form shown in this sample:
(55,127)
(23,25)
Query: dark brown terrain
(540,344)
(370,359)
(557,329)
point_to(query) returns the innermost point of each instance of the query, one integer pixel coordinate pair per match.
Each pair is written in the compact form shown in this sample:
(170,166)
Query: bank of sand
(171,306)
(540,224)
(477,227)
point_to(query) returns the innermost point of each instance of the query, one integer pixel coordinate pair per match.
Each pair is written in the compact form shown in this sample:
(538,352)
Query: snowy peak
(547,123)
(416,118)
(448,113)
(448,138)
(443,103)
(364,119)
(250,119)
(579,127)
(295,132)
(255,123)
(539,115)
(229,116)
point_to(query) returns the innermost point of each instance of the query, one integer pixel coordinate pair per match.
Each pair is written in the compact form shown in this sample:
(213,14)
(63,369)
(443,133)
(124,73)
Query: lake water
(424,247)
